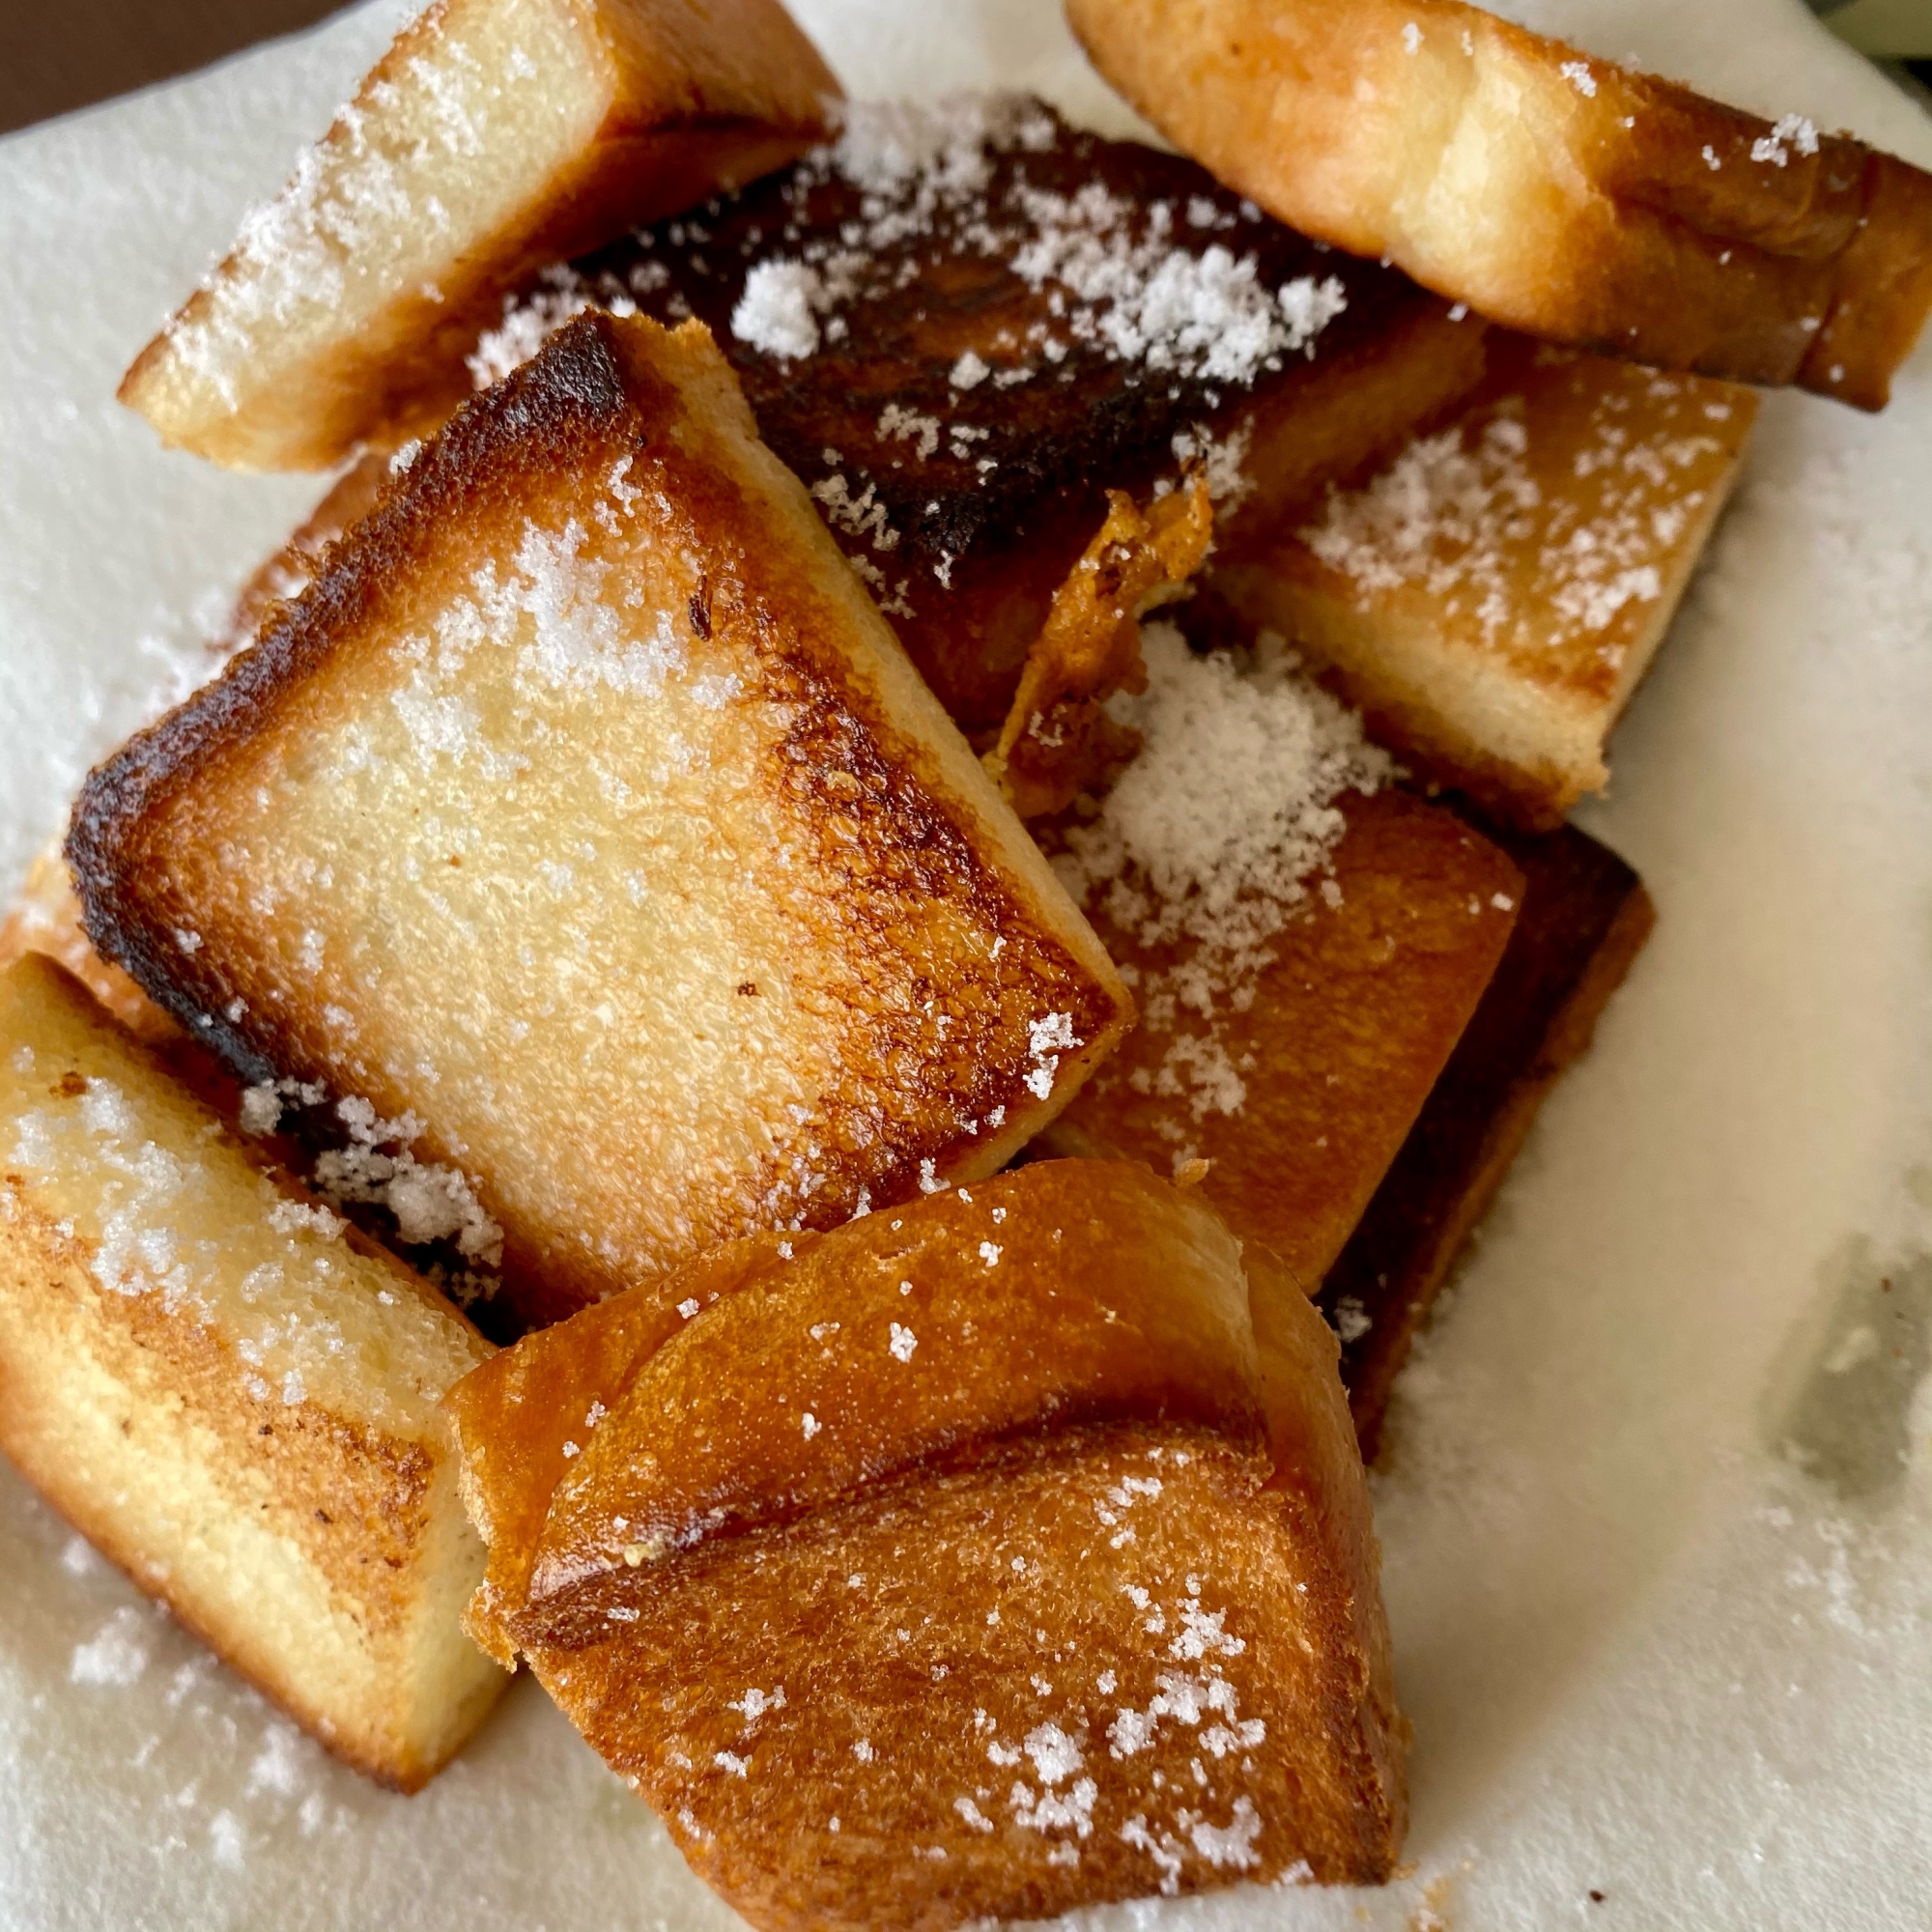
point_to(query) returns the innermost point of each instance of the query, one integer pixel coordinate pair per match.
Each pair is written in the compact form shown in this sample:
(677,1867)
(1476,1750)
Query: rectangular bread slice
(229,1393)
(1491,598)
(1300,1098)
(1567,197)
(1585,917)
(585,816)
(1003,1556)
(962,323)
(494,136)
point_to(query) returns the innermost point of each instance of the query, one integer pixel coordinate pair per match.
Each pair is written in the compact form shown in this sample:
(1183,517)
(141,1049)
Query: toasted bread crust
(878,798)
(1585,917)
(1493,597)
(311,1535)
(673,99)
(1341,1044)
(1564,195)
(1177,1535)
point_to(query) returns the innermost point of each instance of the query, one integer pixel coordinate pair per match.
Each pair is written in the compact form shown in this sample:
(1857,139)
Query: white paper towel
(1646,1655)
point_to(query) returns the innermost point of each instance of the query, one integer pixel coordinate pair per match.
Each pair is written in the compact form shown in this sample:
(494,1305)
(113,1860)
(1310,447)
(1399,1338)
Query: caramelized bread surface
(1492,597)
(1572,198)
(1019,1558)
(1585,919)
(495,135)
(960,325)
(229,1393)
(583,815)
(1341,1038)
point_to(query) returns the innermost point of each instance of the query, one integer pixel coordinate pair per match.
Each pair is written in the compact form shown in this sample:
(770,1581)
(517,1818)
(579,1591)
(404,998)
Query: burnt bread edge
(107,842)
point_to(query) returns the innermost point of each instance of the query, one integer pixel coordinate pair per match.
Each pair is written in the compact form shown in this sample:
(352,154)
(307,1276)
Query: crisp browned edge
(123,803)
(598,195)
(1306,1437)
(1585,917)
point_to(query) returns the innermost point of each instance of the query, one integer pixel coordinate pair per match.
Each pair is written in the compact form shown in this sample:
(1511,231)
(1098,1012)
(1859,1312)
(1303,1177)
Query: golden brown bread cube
(231,1394)
(585,808)
(492,137)
(1567,197)
(1491,598)
(1341,1038)
(999,1556)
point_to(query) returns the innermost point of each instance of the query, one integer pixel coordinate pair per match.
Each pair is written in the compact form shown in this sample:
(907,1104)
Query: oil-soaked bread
(585,810)
(229,1393)
(962,324)
(494,136)
(1003,1555)
(1494,595)
(1568,196)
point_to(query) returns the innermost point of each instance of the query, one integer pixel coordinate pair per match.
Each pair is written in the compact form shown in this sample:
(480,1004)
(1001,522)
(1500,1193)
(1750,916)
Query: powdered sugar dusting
(1206,843)
(430,1201)
(1791,133)
(775,313)
(330,240)
(116,1657)
(1463,517)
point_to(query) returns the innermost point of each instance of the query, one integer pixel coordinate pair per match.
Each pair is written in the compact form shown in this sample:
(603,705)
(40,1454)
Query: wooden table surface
(57,55)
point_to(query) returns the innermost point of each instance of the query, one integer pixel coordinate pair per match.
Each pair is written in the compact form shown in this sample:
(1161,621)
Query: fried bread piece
(494,136)
(1491,598)
(229,1393)
(584,813)
(962,324)
(1057,740)
(1585,919)
(1002,1555)
(1342,1036)
(1572,198)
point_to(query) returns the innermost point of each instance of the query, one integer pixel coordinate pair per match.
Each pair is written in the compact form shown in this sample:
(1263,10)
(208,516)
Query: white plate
(1645,1655)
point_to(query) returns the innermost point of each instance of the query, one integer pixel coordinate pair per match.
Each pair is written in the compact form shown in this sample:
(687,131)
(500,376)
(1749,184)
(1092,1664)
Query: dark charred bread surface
(583,810)
(1026,1528)
(1585,917)
(981,229)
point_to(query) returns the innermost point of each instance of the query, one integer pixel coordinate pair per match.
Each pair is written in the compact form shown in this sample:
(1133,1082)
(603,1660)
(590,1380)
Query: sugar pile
(1207,842)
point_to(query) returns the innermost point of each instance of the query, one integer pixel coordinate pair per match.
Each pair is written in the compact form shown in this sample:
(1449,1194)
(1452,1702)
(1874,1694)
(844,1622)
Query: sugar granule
(116,1656)
(776,311)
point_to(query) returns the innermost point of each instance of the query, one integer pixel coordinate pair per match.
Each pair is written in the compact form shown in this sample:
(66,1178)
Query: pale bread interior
(494,136)
(233,1398)
(614,837)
